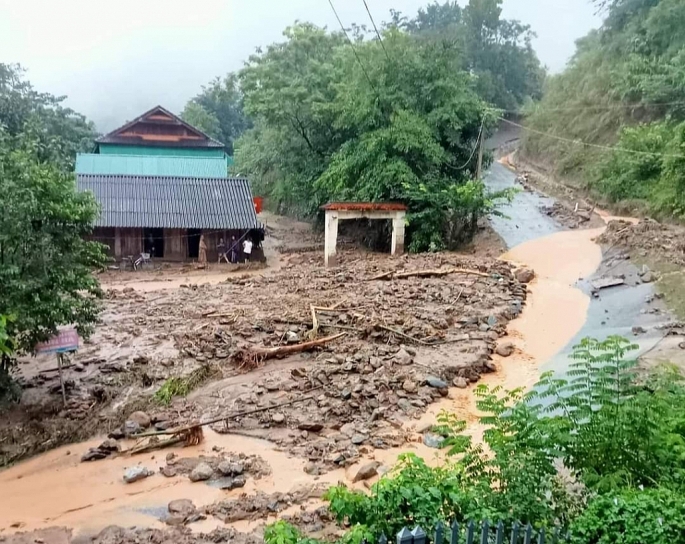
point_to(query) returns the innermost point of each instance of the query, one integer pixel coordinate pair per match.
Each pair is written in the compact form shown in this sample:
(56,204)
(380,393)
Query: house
(161,183)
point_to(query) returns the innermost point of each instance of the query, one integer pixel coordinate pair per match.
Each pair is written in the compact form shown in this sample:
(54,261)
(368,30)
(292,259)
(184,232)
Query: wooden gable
(159,127)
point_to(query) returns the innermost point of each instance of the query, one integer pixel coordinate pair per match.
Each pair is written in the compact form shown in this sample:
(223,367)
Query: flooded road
(56,489)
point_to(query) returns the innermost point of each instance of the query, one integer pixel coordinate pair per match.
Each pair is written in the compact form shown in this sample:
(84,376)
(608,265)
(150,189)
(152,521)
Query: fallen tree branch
(262,354)
(428,273)
(404,335)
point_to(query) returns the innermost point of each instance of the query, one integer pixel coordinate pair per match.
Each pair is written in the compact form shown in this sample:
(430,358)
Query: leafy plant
(178,386)
(654,516)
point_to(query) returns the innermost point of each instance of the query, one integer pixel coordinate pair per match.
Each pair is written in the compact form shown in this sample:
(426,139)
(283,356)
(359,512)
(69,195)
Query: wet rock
(117,434)
(170,457)
(141,418)
(239,481)
(312,469)
(524,275)
(433,440)
(358,439)
(184,507)
(638,330)
(137,473)
(201,472)
(110,445)
(409,386)
(228,468)
(461,383)
(505,349)
(278,418)
(648,277)
(492,321)
(111,534)
(367,471)
(94,454)
(402,357)
(436,382)
(131,428)
(312,427)
(163,425)
(292,337)
(169,471)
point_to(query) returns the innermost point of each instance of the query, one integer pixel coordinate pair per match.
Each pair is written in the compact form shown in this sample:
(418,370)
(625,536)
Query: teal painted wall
(109,149)
(158,165)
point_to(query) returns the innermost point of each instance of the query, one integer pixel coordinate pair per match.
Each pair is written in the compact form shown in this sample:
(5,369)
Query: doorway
(194,243)
(153,242)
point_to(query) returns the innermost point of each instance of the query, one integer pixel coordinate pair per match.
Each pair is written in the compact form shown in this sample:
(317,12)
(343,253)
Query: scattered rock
(524,275)
(141,418)
(110,445)
(648,277)
(184,507)
(402,357)
(292,337)
(409,386)
(94,454)
(638,330)
(505,349)
(131,428)
(358,439)
(436,382)
(201,472)
(278,418)
(239,481)
(312,427)
(136,473)
(461,383)
(367,471)
(433,440)
(169,471)
(228,468)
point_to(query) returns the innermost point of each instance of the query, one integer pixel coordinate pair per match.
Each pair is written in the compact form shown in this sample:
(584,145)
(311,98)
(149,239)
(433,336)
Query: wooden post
(61,378)
(479,167)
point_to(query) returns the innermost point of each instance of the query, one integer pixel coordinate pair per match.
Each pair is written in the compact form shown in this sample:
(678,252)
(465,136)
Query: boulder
(136,473)
(524,275)
(184,507)
(504,349)
(436,382)
(278,418)
(461,383)
(402,357)
(94,454)
(311,426)
(201,472)
(228,468)
(433,440)
(110,445)
(131,428)
(367,471)
(141,418)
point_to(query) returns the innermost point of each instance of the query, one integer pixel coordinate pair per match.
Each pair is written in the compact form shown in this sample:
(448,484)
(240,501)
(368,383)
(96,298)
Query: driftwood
(428,273)
(404,335)
(262,354)
(187,428)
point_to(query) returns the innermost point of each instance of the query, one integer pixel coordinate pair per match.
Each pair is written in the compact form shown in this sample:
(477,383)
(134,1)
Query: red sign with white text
(64,341)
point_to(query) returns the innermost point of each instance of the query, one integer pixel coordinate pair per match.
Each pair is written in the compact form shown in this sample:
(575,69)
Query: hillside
(612,122)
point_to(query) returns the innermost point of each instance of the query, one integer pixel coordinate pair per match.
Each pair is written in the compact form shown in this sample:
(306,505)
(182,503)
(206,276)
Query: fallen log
(428,273)
(256,355)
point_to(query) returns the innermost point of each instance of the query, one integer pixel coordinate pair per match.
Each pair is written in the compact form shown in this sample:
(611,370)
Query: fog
(116,59)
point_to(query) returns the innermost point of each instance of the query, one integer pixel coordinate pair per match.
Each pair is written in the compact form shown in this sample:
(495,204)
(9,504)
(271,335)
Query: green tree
(200,118)
(58,133)
(393,121)
(45,264)
(222,101)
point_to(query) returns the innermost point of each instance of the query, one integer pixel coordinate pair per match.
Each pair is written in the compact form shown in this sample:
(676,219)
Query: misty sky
(117,58)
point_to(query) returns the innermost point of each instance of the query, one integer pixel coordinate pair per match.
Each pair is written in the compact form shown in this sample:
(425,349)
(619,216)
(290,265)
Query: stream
(56,489)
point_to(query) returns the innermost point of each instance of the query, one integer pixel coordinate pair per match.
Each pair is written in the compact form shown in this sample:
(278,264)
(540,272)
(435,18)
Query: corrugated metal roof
(141,165)
(171,202)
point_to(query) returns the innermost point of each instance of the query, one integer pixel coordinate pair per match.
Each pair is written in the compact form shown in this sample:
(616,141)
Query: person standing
(202,252)
(233,250)
(247,249)
(221,250)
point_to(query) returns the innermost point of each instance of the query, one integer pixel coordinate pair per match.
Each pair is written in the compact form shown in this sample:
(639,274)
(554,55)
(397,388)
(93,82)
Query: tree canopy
(394,121)
(45,264)
(623,88)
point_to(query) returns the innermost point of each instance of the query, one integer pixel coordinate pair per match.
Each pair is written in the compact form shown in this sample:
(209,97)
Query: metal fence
(481,533)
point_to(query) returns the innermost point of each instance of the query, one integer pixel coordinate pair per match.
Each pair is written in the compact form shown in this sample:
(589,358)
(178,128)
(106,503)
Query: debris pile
(665,242)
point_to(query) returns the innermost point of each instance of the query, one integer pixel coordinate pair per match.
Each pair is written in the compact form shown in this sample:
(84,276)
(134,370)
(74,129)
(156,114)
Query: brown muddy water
(56,489)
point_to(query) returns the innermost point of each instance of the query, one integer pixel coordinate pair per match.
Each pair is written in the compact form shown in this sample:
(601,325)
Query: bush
(655,516)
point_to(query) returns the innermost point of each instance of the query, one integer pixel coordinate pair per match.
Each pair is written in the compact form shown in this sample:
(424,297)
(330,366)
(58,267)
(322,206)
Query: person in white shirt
(247,249)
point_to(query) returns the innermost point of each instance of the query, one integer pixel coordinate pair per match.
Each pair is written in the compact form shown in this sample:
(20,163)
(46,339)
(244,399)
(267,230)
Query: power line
(376,29)
(597,146)
(473,151)
(359,60)
(599,108)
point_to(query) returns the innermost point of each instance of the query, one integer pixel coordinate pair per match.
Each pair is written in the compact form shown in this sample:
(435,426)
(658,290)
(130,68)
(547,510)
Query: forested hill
(624,89)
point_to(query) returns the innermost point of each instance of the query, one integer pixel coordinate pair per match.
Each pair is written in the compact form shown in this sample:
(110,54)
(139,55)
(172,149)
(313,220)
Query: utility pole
(479,167)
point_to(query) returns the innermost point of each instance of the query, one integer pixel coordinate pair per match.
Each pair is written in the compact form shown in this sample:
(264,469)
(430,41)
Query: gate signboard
(64,341)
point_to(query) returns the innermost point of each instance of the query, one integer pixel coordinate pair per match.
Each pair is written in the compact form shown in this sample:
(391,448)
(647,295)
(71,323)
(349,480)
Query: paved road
(616,311)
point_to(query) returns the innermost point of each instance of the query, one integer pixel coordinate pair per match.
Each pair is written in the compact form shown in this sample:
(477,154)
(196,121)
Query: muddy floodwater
(56,489)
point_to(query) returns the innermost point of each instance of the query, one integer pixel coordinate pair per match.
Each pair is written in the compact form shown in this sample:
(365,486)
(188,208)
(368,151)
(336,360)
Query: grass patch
(178,386)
